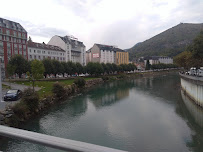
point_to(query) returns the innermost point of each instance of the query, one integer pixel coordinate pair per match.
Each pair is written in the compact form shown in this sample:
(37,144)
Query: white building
(41,51)
(103,53)
(75,50)
(158,60)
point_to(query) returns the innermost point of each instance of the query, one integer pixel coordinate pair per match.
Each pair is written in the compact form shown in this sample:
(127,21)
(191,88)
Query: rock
(8,116)
(1,117)
(2,123)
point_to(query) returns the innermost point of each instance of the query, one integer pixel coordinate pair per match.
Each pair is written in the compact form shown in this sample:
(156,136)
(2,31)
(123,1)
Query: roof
(90,50)
(73,42)
(155,57)
(44,46)
(109,47)
(11,25)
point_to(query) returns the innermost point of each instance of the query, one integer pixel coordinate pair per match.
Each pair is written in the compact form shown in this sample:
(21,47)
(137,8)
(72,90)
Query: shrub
(105,78)
(122,76)
(58,90)
(20,109)
(31,99)
(80,82)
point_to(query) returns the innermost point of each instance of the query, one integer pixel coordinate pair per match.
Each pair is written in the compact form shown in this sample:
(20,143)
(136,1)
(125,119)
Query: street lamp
(0,81)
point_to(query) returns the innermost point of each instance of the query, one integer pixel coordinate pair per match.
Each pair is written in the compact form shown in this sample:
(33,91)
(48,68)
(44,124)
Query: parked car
(12,95)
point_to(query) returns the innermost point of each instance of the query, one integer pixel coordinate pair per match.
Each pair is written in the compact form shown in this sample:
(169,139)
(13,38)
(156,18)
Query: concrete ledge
(193,79)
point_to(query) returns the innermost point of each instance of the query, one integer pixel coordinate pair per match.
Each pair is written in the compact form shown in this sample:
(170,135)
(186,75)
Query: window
(30,56)
(39,57)
(35,56)
(34,51)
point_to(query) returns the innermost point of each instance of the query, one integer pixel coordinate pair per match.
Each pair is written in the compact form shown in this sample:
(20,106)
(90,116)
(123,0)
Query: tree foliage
(193,55)
(21,64)
(148,65)
(37,71)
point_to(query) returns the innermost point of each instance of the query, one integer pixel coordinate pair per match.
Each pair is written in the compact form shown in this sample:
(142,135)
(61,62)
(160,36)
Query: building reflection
(110,94)
(195,111)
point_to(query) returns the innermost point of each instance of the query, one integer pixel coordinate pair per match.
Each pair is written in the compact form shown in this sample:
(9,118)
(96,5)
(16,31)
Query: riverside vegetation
(33,103)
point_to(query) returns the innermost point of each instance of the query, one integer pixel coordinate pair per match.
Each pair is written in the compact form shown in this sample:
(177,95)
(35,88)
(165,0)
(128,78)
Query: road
(4,104)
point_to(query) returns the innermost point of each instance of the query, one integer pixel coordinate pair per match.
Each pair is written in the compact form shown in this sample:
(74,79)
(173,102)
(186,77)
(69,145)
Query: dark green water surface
(137,115)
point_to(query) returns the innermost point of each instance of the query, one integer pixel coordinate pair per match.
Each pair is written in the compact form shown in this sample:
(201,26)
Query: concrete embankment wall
(193,87)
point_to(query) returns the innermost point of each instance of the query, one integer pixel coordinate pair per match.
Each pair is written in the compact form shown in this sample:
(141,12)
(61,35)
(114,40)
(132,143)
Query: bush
(122,76)
(31,99)
(58,90)
(80,82)
(20,109)
(105,78)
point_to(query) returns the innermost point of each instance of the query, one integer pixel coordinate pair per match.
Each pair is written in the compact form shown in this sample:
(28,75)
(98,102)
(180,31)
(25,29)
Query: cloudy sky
(115,22)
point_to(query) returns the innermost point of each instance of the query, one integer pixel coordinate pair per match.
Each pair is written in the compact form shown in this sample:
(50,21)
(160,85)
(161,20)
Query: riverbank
(11,116)
(193,88)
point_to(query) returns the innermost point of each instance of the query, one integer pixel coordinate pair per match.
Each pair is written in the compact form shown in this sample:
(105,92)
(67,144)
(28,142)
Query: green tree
(114,67)
(48,66)
(21,64)
(57,67)
(79,68)
(37,69)
(10,71)
(148,65)
(183,59)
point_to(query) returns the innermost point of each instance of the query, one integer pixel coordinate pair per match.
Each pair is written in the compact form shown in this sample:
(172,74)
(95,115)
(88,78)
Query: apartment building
(88,56)
(158,60)
(108,54)
(13,40)
(122,57)
(41,51)
(75,50)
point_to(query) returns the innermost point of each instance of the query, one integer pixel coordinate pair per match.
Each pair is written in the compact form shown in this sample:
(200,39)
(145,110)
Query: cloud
(122,23)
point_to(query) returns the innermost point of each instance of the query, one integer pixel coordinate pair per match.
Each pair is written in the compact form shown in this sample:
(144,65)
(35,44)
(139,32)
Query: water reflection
(195,111)
(110,93)
(146,114)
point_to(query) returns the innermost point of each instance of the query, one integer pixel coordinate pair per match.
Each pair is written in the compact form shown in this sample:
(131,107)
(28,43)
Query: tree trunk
(33,85)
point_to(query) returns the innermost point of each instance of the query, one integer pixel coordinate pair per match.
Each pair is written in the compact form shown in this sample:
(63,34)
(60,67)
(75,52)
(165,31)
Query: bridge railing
(54,142)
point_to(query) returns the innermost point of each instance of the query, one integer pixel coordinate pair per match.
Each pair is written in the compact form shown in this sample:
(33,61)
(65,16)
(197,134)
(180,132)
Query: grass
(46,86)
(5,86)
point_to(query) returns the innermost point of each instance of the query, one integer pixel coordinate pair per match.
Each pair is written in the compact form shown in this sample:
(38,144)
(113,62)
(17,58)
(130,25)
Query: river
(148,114)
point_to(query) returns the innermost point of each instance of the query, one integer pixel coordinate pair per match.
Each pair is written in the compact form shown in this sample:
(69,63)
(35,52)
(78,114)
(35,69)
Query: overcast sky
(114,22)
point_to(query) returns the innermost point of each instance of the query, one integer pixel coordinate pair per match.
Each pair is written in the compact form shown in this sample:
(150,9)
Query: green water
(137,115)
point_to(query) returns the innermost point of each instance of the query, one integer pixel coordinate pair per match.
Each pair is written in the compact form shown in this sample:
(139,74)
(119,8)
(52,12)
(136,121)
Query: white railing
(54,142)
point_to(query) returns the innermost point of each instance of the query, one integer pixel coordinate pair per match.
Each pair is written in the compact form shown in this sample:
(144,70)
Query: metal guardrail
(54,142)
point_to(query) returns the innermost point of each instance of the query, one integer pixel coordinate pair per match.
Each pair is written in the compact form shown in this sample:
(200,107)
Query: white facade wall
(193,90)
(166,60)
(70,55)
(107,56)
(40,54)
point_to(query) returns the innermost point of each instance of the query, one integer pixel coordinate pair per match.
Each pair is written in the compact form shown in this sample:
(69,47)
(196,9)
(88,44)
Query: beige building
(107,54)
(122,57)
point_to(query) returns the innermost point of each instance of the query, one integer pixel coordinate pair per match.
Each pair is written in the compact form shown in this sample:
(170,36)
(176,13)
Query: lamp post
(0,81)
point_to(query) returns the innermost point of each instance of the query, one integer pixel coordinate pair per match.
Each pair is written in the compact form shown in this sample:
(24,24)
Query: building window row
(38,57)
(44,52)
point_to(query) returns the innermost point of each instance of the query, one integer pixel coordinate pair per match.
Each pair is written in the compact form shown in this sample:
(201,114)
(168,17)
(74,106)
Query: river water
(137,115)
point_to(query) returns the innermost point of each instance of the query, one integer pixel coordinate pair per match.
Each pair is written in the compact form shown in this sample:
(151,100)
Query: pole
(0,83)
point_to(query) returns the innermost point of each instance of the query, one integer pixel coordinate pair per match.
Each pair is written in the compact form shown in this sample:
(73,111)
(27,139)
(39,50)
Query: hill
(168,43)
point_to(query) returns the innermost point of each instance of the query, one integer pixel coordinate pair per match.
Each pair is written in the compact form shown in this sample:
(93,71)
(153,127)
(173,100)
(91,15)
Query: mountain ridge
(167,43)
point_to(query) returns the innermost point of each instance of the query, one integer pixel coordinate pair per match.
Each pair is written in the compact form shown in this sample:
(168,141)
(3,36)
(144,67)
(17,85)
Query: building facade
(13,41)
(158,60)
(40,51)
(108,54)
(88,56)
(75,50)
(122,57)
